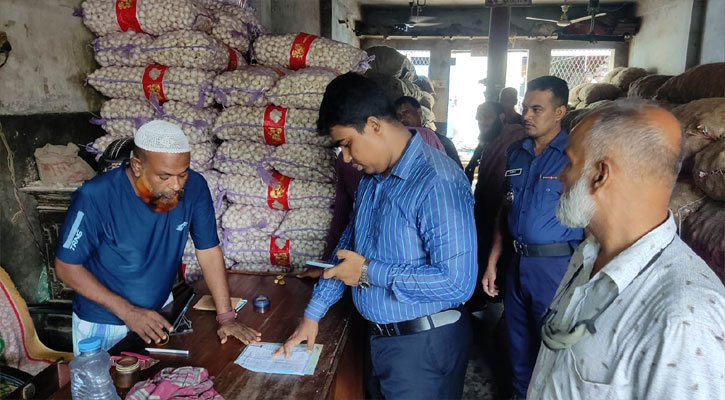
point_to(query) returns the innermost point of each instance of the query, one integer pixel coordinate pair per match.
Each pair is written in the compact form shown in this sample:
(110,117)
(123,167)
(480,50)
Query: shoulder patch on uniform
(513,172)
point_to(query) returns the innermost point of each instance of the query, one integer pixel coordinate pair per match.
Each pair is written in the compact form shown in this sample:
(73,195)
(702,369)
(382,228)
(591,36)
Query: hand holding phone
(319,264)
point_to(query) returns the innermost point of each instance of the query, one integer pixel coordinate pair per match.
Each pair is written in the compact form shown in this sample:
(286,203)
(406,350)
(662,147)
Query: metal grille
(420,60)
(580,68)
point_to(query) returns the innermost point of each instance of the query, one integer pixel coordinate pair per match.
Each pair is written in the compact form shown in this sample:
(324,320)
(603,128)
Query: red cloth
(179,383)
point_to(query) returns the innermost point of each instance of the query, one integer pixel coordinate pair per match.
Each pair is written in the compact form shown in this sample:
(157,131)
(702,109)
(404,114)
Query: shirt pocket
(591,387)
(515,189)
(547,193)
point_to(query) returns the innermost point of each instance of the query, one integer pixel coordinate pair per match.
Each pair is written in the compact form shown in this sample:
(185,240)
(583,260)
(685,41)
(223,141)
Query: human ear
(602,173)
(374,124)
(136,166)
(560,112)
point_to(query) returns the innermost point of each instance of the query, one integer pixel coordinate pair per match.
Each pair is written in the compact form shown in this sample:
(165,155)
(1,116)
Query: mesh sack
(243,158)
(273,254)
(390,62)
(709,170)
(122,117)
(241,222)
(247,86)
(192,49)
(191,86)
(202,156)
(311,163)
(302,89)
(196,123)
(122,49)
(704,232)
(699,82)
(149,16)
(301,50)
(270,125)
(305,224)
(277,192)
(646,86)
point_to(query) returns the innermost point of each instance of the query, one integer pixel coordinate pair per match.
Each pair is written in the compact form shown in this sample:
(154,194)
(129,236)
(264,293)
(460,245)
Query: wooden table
(332,379)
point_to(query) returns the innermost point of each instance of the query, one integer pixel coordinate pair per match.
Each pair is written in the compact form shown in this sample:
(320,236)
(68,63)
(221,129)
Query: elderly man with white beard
(638,314)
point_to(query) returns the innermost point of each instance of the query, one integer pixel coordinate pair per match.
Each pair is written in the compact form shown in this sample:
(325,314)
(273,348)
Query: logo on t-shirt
(75,233)
(181,226)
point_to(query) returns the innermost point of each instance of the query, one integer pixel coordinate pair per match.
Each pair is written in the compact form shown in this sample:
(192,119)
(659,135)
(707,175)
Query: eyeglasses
(558,339)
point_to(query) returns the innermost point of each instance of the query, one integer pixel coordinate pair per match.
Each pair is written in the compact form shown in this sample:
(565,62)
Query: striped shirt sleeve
(328,291)
(447,229)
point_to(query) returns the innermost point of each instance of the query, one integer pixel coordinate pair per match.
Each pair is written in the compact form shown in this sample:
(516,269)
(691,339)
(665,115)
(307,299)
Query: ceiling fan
(416,19)
(564,20)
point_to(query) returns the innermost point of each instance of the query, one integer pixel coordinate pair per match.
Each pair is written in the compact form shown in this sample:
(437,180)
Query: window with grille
(420,60)
(577,66)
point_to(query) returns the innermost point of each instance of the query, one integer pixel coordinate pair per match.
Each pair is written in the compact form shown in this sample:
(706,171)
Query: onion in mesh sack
(270,125)
(192,49)
(241,222)
(122,49)
(305,224)
(202,156)
(149,16)
(301,50)
(122,117)
(245,158)
(246,86)
(196,123)
(100,144)
(302,89)
(312,163)
(191,86)
(258,254)
(257,192)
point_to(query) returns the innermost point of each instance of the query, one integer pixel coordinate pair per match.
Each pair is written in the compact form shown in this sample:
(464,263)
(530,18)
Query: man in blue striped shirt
(409,252)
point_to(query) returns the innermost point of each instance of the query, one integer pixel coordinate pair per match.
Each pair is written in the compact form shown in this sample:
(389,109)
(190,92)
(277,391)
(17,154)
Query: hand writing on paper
(349,270)
(306,331)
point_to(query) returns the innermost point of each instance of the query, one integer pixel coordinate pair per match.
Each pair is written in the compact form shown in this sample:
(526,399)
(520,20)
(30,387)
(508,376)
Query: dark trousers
(426,365)
(531,283)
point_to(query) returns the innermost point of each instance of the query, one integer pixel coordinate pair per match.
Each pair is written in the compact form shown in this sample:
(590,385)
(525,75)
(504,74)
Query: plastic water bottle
(90,378)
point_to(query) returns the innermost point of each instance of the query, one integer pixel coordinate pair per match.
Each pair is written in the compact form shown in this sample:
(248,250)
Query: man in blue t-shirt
(123,238)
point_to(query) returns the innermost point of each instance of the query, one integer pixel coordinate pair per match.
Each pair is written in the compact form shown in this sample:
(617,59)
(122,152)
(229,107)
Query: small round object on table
(127,370)
(261,303)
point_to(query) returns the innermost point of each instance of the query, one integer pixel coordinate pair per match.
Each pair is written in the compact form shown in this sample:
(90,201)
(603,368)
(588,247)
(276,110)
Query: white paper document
(258,357)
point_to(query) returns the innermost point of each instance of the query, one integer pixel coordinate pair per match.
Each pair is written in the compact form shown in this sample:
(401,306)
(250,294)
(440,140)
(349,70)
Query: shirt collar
(628,264)
(558,143)
(404,166)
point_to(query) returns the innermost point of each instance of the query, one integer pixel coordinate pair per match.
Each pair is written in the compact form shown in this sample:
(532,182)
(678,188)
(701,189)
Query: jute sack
(704,232)
(646,87)
(709,170)
(699,82)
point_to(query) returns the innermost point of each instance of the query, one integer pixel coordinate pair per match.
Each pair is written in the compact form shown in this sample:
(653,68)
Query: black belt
(543,250)
(417,325)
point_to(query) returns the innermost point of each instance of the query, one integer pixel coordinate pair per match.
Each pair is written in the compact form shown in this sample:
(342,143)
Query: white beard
(576,207)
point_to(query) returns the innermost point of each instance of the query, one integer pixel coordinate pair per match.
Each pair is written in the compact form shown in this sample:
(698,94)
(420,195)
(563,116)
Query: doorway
(467,92)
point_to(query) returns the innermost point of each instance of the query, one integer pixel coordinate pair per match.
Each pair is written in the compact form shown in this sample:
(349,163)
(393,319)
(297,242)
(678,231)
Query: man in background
(542,244)
(509,98)
(638,314)
(410,114)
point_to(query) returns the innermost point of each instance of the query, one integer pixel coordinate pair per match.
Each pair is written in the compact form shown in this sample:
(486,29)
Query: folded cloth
(179,383)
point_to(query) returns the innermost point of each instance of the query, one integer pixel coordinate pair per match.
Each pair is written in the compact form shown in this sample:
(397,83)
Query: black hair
(349,100)
(495,105)
(557,86)
(407,100)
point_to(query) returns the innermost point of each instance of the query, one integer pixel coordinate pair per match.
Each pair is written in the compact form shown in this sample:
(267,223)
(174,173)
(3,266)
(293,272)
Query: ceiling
(471,2)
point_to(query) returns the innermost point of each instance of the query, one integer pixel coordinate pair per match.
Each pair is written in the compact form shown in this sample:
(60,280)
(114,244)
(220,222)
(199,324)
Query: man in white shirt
(638,314)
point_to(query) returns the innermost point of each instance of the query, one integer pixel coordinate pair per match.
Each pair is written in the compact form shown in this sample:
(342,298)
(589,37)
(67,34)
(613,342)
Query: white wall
(50,59)
(348,10)
(713,38)
(662,42)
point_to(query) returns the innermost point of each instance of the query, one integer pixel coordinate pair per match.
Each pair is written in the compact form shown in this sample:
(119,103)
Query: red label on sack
(277,193)
(233,59)
(274,120)
(300,48)
(126,15)
(279,255)
(153,82)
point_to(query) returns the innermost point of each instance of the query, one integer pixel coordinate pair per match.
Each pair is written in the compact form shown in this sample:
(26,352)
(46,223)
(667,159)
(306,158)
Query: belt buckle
(384,329)
(519,247)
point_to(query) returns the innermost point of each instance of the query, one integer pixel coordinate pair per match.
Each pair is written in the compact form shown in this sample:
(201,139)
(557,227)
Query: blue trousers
(425,365)
(531,283)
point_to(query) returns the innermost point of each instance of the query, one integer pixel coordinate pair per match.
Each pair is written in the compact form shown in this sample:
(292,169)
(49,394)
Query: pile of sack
(395,73)
(248,103)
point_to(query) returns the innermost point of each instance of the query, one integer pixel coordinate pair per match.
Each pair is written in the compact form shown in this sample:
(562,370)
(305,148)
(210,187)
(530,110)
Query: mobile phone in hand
(319,264)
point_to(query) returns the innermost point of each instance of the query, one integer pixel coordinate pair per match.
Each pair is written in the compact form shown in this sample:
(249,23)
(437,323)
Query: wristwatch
(364,282)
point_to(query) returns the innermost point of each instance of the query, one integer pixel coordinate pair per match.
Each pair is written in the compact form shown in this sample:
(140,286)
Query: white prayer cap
(161,137)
